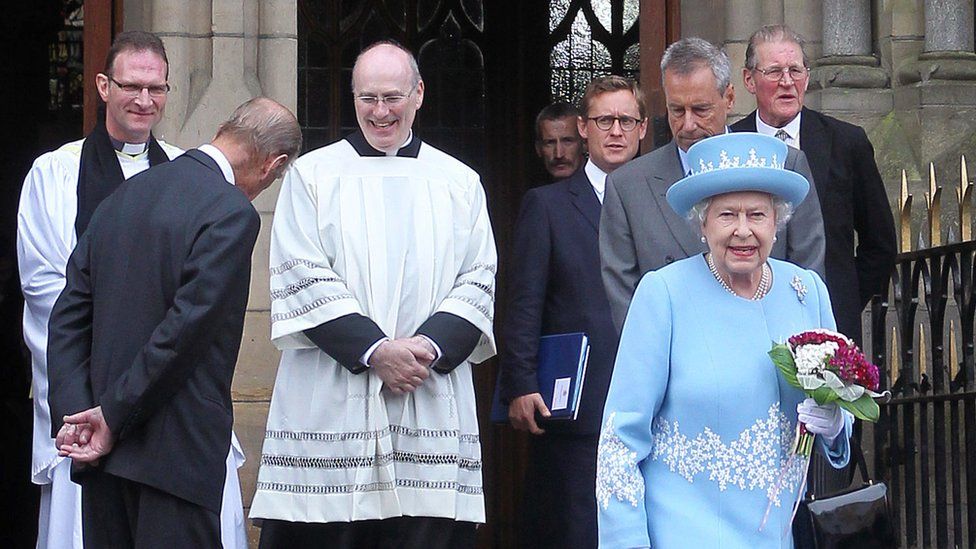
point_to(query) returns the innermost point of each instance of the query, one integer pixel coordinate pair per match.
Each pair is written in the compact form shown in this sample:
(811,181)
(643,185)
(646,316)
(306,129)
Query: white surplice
(45,238)
(396,239)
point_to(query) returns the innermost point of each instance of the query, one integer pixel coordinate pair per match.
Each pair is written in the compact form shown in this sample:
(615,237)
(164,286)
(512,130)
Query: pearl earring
(775,238)
(703,239)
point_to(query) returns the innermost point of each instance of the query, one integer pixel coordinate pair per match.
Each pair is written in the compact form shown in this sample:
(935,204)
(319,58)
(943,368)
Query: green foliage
(783,359)
(864,408)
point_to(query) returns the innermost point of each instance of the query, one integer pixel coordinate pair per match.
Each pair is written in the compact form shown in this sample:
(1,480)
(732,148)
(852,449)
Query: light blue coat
(698,421)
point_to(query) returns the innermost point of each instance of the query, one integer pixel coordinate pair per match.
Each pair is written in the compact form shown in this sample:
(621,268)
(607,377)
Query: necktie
(783,136)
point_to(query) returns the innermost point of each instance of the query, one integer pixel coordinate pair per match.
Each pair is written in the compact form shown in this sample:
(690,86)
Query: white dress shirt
(792,128)
(597,177)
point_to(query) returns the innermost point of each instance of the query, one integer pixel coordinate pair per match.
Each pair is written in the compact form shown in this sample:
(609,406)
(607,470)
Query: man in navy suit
(852,194)
(144,338)
(557,139)
(555,287)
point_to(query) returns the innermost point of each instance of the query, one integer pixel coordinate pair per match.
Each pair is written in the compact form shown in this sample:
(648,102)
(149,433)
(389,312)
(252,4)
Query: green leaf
(825,395)
(864,408)
(783,359)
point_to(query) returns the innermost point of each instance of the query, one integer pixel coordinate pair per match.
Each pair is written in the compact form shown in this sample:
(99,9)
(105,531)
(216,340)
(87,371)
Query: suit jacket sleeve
(70,340)
(220,251)
(873,221)
(618,255)
(805,242)
(528,279)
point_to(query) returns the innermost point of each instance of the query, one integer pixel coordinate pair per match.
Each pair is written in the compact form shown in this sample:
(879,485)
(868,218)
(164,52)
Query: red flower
(852,366)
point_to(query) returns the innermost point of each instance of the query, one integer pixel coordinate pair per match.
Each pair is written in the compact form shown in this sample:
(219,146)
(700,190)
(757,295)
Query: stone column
(943,79)
(742,18)
(848,60)
(848,79)
(949,26)
(222,53)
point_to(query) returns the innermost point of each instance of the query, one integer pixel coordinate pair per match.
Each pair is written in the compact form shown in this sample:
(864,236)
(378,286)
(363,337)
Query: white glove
(826,421)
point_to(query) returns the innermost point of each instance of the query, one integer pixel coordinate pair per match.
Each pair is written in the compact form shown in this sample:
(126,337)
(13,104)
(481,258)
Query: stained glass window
(588,39)
(65,61)
(446,36)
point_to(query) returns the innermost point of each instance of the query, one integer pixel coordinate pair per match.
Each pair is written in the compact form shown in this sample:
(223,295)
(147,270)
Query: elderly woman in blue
(698,422)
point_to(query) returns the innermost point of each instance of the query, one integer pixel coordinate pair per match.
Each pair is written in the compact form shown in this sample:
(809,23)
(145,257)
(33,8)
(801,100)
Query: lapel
(584,198)
(747,124)
(815,142)
(663,173)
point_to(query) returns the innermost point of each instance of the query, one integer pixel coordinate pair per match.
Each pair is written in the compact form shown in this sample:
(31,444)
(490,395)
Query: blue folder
(561,371)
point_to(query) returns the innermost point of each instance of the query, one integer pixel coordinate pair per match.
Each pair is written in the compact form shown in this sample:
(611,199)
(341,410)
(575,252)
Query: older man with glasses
(59,196)
(639,232)
(852,194)
(858,223)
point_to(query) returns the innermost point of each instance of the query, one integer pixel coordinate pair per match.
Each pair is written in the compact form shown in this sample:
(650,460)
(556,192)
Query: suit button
(669,259)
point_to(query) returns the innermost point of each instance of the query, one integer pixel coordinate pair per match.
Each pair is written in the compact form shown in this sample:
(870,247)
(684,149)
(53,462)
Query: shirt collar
(683,157)
(597,177)
(220,159)
(792,128)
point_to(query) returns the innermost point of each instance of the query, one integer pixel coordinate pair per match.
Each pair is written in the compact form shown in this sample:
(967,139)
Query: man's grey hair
(782,209)
(690,54)
(267,126)
(412,60)
(773,33)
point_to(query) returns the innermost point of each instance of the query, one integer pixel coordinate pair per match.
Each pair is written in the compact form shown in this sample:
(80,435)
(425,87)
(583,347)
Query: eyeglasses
(158,90)
(775,74)
(391,100)
(627,123)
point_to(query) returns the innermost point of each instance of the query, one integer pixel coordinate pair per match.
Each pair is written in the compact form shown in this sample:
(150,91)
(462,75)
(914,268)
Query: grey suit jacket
(639,232)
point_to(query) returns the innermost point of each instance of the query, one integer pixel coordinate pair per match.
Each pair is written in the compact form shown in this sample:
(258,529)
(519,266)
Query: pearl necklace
(765,281)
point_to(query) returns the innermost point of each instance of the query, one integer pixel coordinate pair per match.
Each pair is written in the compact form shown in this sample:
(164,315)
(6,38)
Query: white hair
(782,209)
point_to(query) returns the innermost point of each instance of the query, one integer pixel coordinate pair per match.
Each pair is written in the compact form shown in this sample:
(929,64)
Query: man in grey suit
(639,232)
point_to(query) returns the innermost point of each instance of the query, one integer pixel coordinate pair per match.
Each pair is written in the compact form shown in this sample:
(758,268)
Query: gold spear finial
(905,217)
(963,196)
(933,198)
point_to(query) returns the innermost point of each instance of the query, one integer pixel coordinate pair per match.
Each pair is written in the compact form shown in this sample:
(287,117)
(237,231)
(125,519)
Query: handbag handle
(858,455)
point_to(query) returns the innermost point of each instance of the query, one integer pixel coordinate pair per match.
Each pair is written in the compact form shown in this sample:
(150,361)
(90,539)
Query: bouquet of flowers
(828,367)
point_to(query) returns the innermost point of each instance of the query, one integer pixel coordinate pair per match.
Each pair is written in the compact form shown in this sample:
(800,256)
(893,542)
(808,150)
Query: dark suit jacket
(853,199)
(639,232)
(149,325)
(554,287)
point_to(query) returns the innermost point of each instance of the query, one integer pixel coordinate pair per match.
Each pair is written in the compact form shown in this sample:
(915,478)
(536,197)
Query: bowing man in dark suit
(555,287)
(144,338)
(852,194)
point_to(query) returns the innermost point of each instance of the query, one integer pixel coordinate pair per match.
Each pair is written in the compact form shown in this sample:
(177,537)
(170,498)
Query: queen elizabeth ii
(698,423)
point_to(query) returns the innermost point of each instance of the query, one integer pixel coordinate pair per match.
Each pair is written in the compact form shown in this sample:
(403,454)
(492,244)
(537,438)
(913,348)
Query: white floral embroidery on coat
(758,458)
(616,469)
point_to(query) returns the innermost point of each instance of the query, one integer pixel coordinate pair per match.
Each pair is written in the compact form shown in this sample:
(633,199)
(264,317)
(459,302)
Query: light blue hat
(737,162)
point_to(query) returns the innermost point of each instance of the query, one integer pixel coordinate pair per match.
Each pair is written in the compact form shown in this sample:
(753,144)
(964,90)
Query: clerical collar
(792,128)
(128,148)
(410,149)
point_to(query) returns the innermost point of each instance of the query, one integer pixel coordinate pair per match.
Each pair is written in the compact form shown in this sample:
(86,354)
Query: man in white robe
(59,195)
(382,283)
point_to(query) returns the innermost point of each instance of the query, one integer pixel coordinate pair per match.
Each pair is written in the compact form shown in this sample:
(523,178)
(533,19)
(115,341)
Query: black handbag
(858,517)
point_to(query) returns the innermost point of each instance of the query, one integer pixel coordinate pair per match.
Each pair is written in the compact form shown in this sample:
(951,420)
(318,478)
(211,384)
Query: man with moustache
(382,286)
(557,140)
(144,338)
(639,232)
(852,195)
(555,288)
(59,196)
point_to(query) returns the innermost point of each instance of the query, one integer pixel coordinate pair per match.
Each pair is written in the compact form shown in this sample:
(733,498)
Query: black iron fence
(925,442)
